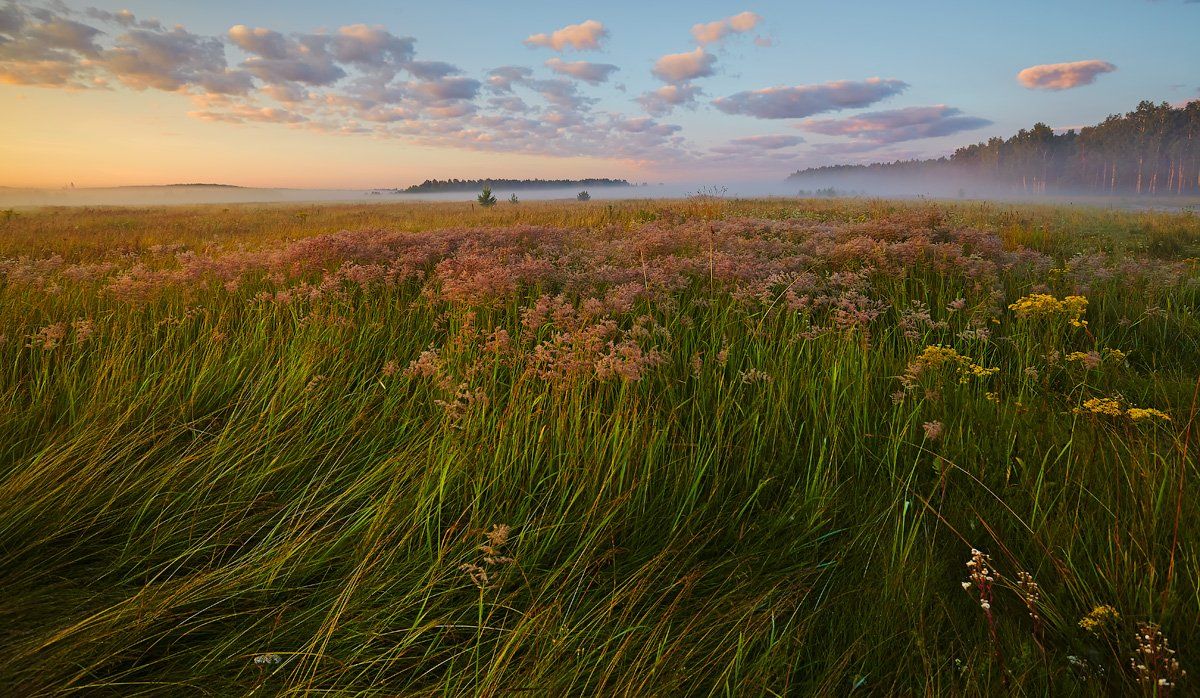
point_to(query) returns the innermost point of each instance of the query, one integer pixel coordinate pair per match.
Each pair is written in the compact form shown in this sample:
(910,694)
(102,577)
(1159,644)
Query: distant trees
(485,198)
(1154,149)
(583,196)
(438,185)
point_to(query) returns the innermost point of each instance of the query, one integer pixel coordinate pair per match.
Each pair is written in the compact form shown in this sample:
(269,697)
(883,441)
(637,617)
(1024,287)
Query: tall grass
(645,448)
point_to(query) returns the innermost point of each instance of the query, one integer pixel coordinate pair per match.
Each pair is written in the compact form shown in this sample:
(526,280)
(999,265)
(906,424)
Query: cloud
(644,124)
(713,32)
(42,48)
(172,60)
(581,37)
(758,144)
(592,73)
(279,59)
(805,100)
(503,78)
(1063,76)
(682,67)
(446,89)
(663,101)
(238,114)
(431,70)
(371,47)
(896,125)
(356,79)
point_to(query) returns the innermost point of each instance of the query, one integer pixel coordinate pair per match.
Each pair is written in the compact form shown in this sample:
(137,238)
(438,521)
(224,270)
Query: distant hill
(1153,150)
(451,185)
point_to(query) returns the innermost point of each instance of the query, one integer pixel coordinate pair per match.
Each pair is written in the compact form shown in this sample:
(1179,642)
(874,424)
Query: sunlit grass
(645,448)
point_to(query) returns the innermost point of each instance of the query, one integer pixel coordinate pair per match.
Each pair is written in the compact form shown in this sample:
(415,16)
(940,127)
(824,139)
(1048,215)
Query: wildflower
(1099,618)
(1044,305)
(427,365)
(1090,359)
(267,659)
(83,329)
(1138,414)
(938,356)
(1100,405)
(498,341)
(49,337)
(462,401)
(982,577)
(933,430)
(1030,594)
(1153,661)
(627,360)
(390,369)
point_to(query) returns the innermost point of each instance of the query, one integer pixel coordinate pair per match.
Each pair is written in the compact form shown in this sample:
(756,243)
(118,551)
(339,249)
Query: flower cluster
(937,357)
(1042,305)
(1099,618)
(1153,662)
(1112,407)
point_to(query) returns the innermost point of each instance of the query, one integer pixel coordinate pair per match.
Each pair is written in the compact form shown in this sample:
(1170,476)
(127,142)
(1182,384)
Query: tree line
(441,185)
(1152,150)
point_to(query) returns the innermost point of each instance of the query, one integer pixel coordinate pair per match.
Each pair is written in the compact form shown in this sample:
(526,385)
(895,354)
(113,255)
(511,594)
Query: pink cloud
(681,67)
(713,32)
(1063,76)
(581,37)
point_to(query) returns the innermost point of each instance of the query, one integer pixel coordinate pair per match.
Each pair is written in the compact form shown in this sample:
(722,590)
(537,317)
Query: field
(707,447)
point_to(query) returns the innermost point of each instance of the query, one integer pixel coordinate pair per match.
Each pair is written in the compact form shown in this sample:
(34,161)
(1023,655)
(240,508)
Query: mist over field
(823,186)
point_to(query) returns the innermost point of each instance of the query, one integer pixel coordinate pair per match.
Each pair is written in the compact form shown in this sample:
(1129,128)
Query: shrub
(583,196)
(485,198)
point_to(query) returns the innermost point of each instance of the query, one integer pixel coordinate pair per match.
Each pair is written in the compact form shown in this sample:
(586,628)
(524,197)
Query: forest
(1152,150)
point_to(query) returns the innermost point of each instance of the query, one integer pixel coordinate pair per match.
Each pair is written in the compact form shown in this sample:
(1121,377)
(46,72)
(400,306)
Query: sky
(373,93)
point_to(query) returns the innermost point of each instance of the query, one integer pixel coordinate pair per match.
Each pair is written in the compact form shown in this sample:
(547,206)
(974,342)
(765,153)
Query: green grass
(214,474)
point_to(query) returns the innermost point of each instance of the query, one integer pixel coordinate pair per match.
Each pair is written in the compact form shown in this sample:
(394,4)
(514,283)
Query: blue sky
(952,69)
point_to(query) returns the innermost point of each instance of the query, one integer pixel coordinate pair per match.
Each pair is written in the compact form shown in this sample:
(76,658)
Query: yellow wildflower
(1099,618)
(1101,405)
(1046,305)
(1137,414)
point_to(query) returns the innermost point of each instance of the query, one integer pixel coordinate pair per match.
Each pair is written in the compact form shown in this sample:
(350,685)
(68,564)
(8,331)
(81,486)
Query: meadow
(695,447)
